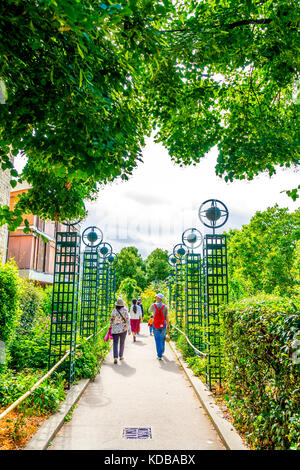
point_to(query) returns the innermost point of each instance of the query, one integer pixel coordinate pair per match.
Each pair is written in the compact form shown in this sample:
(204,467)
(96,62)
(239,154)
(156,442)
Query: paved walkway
(140,391)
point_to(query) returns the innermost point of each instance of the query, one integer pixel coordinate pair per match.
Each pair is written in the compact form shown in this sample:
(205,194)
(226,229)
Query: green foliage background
(261,370)
(87,81)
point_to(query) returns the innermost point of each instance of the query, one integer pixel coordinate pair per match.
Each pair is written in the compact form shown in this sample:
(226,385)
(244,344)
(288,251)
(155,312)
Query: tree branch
(236,24)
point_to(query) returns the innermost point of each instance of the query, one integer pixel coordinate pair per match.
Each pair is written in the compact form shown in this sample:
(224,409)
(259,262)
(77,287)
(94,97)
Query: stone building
(4,200)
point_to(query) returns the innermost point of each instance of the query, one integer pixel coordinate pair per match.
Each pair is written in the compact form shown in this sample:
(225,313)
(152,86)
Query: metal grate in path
(137,433)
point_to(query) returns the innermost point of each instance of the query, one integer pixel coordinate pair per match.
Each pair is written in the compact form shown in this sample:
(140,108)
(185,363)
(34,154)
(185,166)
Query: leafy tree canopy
(264,255)
(157,265)
(128,289)
(129,264)
(86,81)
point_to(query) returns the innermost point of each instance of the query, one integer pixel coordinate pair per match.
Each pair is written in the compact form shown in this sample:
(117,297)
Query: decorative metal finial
(212,211)
(92,236)
(112,258)
(179,250)
(192,238)
(105,249)
(172,260)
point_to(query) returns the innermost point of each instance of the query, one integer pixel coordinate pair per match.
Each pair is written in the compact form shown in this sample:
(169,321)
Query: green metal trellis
(213,213)
(215,294)
(65,300)
(192,239)
(102,288)
(104,253)
(180,292)
(193,304)
(91,237)
(89,292)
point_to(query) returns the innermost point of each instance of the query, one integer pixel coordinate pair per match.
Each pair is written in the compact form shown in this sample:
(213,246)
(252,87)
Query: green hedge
(262,377)
(35,301)
(9,304)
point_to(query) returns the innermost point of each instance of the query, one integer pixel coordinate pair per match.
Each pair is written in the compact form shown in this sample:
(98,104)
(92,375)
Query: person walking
(120,326)
(160,324)
(139,302)
(150,324)
(135,318)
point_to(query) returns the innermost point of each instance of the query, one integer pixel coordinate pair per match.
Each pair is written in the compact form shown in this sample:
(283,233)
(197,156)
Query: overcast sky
(161,200)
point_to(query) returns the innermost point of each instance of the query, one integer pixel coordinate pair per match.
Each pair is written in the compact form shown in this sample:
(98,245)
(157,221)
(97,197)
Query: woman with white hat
(120,325)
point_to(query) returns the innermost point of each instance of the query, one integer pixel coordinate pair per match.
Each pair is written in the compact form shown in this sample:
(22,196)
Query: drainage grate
(137,433)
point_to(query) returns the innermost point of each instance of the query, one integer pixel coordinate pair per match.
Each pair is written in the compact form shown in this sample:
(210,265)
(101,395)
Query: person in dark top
(139,302)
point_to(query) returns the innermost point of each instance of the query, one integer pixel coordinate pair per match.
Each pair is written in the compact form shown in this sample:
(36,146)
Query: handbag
(108,335)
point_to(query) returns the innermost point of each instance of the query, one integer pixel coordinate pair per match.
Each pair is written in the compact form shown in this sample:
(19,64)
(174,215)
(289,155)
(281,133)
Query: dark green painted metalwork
(65,301)
(179,296)
(103,267)
(215,289)
(193,299)
(89,292)
(112,282)
(171,288)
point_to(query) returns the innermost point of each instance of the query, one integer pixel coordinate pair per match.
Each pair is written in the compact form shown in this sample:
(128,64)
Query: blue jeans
(151,329)
(159,336)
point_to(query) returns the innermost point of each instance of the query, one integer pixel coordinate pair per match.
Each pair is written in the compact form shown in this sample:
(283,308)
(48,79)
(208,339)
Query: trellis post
(92,237)
(179,252)
(193,239)
(63,327)
(104,251)
(214,214)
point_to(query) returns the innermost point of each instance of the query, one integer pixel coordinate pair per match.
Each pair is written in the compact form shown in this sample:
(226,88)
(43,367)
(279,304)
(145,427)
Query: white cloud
(161,200)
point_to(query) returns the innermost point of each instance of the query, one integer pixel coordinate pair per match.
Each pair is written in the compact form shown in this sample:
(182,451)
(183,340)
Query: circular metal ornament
(112,258)
(172,260)
(92,236)
(213,213)
(179,250)
(105,250)
(192,238)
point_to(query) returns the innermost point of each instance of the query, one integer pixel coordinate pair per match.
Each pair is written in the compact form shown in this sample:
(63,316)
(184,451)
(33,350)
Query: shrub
(261,376)
(88,357)
(34,302)
(185,348)
(31,344)
(148,297)
(9,302)
(44,399)
(31,347)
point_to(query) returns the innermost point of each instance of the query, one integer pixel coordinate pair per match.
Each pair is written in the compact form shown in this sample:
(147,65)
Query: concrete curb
(49,428)
(225,429)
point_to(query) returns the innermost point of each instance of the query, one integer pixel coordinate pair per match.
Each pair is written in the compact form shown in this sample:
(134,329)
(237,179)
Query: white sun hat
(159,296)
(120,303)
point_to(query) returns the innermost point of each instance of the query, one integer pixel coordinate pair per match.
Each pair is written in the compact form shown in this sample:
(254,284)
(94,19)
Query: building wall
(34,257)
(4,200)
